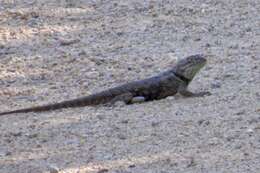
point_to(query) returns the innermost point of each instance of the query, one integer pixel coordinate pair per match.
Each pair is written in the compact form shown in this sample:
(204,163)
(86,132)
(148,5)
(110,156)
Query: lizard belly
(157,88)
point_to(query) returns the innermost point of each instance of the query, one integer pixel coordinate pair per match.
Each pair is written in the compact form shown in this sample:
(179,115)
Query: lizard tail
(65,104)
(15,111)
(35,109)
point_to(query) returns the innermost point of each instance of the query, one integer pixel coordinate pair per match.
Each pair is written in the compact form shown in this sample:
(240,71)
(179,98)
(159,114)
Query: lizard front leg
(183,90)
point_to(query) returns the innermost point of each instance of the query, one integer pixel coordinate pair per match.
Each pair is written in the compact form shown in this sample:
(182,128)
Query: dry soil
(57,50)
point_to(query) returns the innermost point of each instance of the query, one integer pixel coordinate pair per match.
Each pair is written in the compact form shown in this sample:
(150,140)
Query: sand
(57,50)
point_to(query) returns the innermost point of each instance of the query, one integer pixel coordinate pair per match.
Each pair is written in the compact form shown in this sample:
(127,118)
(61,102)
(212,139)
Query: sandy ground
(57,50)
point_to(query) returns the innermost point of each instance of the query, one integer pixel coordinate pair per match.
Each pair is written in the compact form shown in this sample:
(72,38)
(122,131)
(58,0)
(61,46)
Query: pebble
(103,170)
(249,130)
(216,85)
(121,136)
(16,134)
(132,166)
(241,112)
(155,123)
(204,122)
(124,121)
(53,169)
(4,153)
(66,42)
(258,97)
(31,136)
(214,141)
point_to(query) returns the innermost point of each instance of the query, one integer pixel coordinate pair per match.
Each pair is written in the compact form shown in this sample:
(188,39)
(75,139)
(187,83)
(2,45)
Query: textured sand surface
(57,50)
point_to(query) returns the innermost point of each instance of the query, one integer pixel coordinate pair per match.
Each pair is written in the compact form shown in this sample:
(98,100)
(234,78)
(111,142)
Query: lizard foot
(125,98)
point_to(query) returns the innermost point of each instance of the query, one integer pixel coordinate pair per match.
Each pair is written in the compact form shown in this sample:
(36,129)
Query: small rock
(249,130)
(33,22)
(257,127)
(120,33)
(234,46)
(100,117)
(254,120)
(131,166)
(121,136)
(204,122)
(38,146)
(215,85)
(258,98)
(10,81)
(154,124)
(238,146)
(34,135)
(179,113)
(32,126)
(124,121)
(102,170)
(197,39)
(5,153)
(207,45)
(248,29)
(230,138)
(66,42)
(191,162)
(53,169)
(2,82)
(16,134)
(227,76)
(44,140)
(82,53)
(241,112)
(200,121)
(213,141)
(217,42)
(246,154)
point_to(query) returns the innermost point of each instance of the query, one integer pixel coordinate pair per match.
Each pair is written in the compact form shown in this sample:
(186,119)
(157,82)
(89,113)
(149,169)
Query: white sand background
(52,51)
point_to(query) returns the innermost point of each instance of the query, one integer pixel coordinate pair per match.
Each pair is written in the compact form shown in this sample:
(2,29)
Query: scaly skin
(175,80)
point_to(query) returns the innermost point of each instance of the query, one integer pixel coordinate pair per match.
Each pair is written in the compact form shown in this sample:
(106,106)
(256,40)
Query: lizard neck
(181,77)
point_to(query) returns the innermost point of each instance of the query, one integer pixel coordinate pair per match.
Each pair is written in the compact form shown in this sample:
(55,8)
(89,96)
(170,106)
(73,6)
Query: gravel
(57,50)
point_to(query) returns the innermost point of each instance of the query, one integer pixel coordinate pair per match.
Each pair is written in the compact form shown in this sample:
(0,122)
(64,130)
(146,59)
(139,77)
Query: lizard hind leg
(126,98)
(138,99)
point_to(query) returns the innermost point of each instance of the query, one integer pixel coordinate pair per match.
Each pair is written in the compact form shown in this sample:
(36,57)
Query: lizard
(168,83)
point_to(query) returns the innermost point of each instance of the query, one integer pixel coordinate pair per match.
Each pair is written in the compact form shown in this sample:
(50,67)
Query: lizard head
(189,66)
